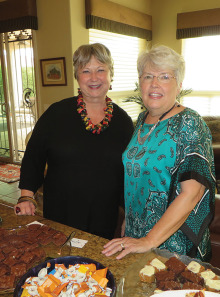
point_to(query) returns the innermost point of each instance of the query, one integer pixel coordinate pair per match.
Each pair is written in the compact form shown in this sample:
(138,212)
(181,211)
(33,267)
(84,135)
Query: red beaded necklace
(95,129)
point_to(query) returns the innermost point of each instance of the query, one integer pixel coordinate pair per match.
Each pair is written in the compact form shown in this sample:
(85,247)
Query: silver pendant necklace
(142,140)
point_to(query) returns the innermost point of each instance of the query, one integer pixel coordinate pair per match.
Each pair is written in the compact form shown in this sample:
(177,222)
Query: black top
(84,180)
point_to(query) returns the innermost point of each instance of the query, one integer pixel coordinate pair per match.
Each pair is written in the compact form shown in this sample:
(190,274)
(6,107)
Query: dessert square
(208,274)
(147,274)
(175,265)
(192,286)
(169,285)
(189,276)
(163,276)
(213,285)
(195,267)
(157,264)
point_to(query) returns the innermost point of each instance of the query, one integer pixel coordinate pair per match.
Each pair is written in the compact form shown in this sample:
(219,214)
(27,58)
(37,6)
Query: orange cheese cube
(49,285)
(91,267)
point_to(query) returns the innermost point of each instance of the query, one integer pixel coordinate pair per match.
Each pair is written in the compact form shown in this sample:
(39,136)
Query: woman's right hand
(125,246)
(26,208)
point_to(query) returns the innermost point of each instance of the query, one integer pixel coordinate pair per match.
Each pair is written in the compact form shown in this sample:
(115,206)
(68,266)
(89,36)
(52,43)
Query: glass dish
(130,284)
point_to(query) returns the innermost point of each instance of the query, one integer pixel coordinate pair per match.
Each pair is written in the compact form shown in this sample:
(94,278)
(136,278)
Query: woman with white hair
(169,167)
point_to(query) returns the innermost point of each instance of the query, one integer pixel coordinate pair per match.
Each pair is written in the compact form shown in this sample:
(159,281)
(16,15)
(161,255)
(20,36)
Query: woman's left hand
(126,245)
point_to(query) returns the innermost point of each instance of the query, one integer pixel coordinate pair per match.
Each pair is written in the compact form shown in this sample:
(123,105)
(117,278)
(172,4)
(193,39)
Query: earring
(110,88)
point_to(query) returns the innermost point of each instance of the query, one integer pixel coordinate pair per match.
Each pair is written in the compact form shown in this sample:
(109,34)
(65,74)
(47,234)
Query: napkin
(79,243)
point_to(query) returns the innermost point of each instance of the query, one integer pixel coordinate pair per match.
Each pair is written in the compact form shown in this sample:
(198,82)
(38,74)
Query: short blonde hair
(162,57)
(84,53)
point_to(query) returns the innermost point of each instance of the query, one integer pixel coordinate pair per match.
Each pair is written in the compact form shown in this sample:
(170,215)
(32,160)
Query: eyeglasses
(163,78)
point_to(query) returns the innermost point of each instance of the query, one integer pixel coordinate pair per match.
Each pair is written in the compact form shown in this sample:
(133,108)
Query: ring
(122,246)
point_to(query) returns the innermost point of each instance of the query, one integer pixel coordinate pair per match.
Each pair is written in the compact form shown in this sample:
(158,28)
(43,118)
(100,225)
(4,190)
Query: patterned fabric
(177,150)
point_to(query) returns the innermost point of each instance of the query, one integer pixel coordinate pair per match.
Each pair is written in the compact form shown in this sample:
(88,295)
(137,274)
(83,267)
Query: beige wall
(53,39)
(164,15)
(139,5)
(62,30)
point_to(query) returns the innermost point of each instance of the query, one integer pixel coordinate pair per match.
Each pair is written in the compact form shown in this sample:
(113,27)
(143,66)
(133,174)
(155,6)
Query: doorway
(18,107)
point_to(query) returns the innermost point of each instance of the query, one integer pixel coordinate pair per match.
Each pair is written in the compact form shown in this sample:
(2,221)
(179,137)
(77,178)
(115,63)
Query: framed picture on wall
(53,72)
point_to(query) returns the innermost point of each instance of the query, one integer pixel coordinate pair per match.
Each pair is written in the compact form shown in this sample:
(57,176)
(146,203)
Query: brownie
(8,249)
(7,281)
(20,244)
(45,228)
(2,256)
(30,247)
(9,261)
(2,232)
(23,231)
(4,269)
(16,254)
(39,253)
(164,276)
(8,232)
(59,238)
(188,276)
(44,239)
(192,286)
(18,269)
(27,257)
(34,227)
(169,285)
(3,243)
(34,230)
(31,238)
(50,231)
(175,265)
(14,239)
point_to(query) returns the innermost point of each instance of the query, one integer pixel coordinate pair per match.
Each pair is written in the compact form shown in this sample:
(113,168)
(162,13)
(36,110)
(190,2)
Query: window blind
(125,50)
(202,63)
(204,104)
(202,74)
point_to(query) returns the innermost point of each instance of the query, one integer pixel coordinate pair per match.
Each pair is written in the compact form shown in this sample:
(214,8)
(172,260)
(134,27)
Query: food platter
(68,260)
(182,293)
(130,284)
(25,247)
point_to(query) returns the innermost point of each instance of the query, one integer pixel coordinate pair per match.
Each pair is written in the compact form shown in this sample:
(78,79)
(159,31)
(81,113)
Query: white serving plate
(182,293)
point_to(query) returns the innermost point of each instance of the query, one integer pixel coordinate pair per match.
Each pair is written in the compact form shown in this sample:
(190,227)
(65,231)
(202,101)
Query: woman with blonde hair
(81,139)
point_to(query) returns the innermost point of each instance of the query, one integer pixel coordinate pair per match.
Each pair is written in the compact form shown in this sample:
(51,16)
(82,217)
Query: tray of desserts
(159,271)
(22,248)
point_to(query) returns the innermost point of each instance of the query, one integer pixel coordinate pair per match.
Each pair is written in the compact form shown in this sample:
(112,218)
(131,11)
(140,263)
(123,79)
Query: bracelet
(27,198)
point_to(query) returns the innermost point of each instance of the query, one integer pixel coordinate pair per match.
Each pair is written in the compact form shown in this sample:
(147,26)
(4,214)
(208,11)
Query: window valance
(18,15)
(198,23)
(112,17)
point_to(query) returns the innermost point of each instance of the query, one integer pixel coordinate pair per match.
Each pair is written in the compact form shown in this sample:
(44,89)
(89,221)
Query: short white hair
(162,57)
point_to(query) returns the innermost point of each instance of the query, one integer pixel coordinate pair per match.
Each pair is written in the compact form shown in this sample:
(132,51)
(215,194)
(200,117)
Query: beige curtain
(112,17)
(198,23)
(18,15)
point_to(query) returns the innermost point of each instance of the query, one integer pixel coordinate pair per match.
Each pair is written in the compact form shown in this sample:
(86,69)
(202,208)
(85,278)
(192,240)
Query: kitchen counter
(92,249)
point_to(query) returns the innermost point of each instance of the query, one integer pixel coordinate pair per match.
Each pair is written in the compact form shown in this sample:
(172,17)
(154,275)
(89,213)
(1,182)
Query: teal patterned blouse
(179,149)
